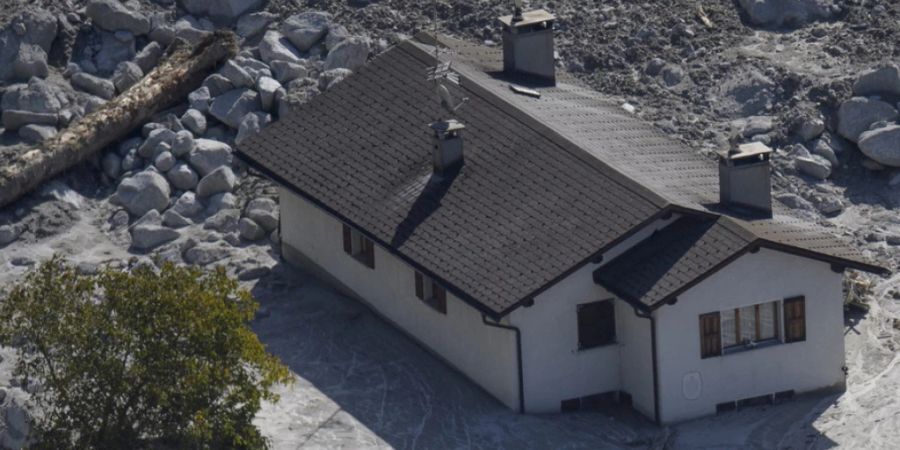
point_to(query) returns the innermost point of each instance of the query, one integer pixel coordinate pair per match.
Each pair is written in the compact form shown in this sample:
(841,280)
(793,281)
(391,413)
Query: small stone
(267,87)
(218,181)
(104,89)
(758,125)
(249,230)
(223,221)
(30,61)
(149,57)
(188,205)
(275,47)
(209,155)
(35,134)
(147,237)
(794,201)
(231,107)
(263,211)
(157,141)
(220,202)
(195,121)
(114,16)
(810,128)
(200,99)
(336,35)
(251,125)
(112,165)
(119,219)
(172,219)
(236,75)
(286,71)
(182,177)
(143,192)
(306,29)
(215,85)
(183,143)
(814,166)
(165,161)
(350,54)
(127,74)
(253,24)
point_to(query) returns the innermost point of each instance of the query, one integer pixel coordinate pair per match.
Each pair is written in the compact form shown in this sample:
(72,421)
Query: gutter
(518,357)
(645,313)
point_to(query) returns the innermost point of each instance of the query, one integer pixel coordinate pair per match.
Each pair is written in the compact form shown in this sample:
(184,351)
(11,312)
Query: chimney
(745,178)
(447,153)
(528,44)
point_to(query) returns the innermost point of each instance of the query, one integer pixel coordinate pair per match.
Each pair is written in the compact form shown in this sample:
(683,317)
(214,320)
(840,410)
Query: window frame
(431,293)
(357,245)
(779,322)
(610,338)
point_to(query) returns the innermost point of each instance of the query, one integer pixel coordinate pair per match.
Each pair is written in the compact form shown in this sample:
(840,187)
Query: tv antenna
(442,73)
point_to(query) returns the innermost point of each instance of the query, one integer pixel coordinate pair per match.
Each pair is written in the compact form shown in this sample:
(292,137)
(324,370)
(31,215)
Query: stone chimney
(528,44)
(447,153)
(745,177)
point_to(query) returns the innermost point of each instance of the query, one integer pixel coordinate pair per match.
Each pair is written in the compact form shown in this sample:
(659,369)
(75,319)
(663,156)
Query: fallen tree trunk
(181,71)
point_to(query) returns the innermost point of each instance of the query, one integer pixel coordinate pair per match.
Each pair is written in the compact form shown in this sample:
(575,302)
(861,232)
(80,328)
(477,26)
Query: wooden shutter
(348,240)
(795,319)
(710,335)
(440,298)
(420,286)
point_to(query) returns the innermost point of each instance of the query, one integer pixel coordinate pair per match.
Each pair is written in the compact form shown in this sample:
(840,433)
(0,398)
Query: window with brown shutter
(359,246)
(431,293)
(710,335)
(795,319)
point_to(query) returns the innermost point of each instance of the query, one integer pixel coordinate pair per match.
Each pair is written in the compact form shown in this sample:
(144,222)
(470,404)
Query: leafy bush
(146,358)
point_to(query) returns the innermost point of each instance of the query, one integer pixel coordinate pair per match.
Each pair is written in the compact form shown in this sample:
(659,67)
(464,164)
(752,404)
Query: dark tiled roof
(547,184)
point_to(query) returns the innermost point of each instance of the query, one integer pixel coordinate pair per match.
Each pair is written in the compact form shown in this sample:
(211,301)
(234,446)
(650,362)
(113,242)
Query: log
(181,70)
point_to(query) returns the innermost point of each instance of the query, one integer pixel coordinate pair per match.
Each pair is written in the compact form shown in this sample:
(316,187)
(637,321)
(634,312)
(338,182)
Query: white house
(551,247)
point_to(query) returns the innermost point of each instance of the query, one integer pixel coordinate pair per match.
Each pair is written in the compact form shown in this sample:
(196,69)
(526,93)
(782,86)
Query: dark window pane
(596,324)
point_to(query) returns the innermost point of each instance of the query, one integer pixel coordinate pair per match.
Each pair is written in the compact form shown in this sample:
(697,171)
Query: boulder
(216,182)
(263,211)
(267,87)
(35,26)
(882,145)
(114,49)
(231,107)
(236,75)
(757,125)
(794,201)
(149,57)
(153,217)
(223,221)
(145,191)
(787,13)
(35,134)
(218,202)
(13,119)
(104,89)
(249,230)
(172,219)
(306,29)
(187,205)
(205,254)
(349,54)
(202,97)
(823,149)
(857,115)
(221,11)
(253,24)
(336,35)
(182,177)
(165,161)
(195,121)
(131,161)
(275,47)
(209,155)
(879,81)
(330,78)
(127,74)
(37,96)
(192,30)
(810,128)
(31,61)
(158,141)
(148,237)
(814,166)
(251,125)
(286,71)
(112,165)
(114,16)
(183,144)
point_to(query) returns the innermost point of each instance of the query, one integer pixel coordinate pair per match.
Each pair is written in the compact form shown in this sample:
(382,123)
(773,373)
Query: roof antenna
(517,11)
(441,73)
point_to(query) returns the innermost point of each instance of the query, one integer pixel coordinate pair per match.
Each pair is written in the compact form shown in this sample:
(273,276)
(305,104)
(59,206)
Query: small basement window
(433,294)
(359,246)
(596,324)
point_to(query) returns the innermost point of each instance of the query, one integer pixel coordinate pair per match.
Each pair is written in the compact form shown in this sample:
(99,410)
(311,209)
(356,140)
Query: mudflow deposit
(816,80)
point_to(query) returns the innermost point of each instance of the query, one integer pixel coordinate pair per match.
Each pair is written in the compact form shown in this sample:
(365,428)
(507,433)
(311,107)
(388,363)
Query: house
(550,246)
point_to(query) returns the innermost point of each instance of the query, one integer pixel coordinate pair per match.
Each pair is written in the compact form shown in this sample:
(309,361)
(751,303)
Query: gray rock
(223,221)
(35,26)
(856,115)
(253,273)
(828,205)
(231,107)
(263,211)
(267,87)
(236,75)
(216,182)
(879,81)
(153,217)
(182,177)
(149,57)
(195,121)
(251,125)
(205,254)
(172,219)
(306,29)
(127,74)
(192,30)
(222,201)
(112,165)
(336,35)
(332,77)
(810,128)
(756,125)
(8,234)
(882,145)
(209,155)
(188,205)
(164,34)
(275,47)
(31,61)
(37,96)
(14,119)
(286,71)
(35,134)
(148,237)
(253,24)
(672,75)
(149,127)
(143,192)
(165,161)
(112,52)
(794,201)
(159,140)
(113,16)
(221,11)
(349,54)
(201,98)
(183,144)
(131,161)
(249,230)
(814,166)
(104,89)
(823,149)
(787,13)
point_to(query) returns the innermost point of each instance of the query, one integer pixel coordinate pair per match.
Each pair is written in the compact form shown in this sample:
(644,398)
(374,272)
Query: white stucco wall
(555,370)
(754,278)
(485,354)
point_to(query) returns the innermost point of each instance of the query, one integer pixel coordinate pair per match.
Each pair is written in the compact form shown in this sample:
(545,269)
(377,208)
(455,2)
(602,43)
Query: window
(596,324)
(359,246)
(710,335)
(795,319)
(433,294)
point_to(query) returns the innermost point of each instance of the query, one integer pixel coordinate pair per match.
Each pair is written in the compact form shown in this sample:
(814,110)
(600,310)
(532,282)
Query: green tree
(141,358)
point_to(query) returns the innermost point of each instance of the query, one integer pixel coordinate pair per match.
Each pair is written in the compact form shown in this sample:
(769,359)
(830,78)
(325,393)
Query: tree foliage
(141,358)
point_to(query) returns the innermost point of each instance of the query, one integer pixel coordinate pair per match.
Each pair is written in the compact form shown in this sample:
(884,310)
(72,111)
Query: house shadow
(427,202)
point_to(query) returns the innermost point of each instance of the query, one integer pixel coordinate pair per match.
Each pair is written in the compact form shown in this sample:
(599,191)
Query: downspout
(518,357)
(645,314)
